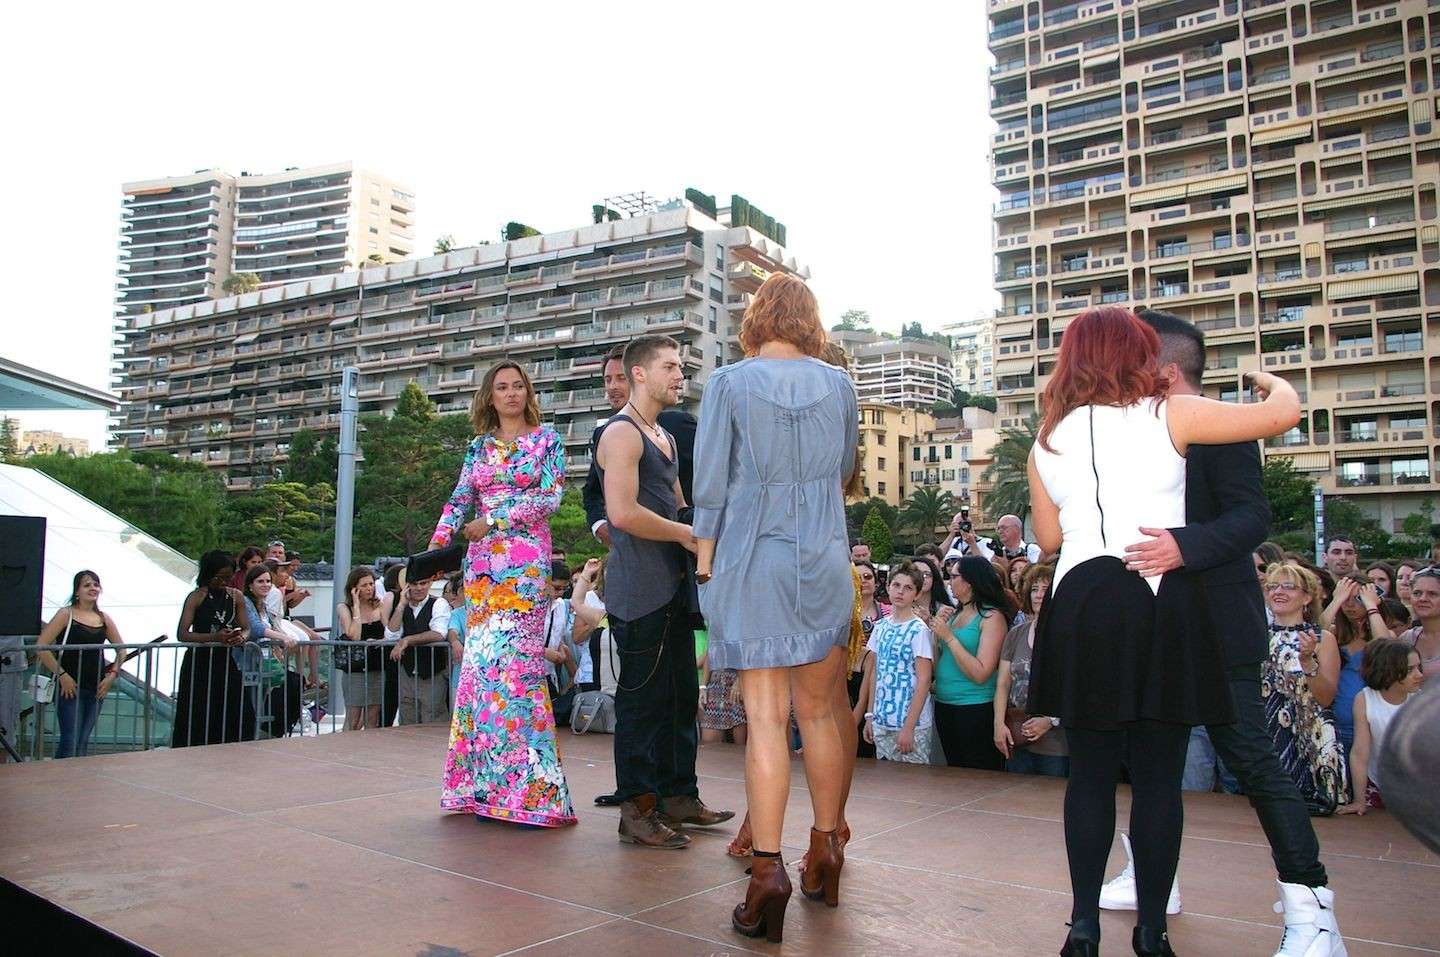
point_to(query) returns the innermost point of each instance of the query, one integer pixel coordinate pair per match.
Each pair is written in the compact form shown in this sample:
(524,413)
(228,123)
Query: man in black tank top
(646,599)
(1227,516)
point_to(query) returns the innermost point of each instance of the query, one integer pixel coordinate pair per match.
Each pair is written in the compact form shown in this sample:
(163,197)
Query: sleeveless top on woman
(1303,730)
(85,667)
(1378,715)
(1112,647)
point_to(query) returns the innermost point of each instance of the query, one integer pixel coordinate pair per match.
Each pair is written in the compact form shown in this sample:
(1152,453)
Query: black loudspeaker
(22,573)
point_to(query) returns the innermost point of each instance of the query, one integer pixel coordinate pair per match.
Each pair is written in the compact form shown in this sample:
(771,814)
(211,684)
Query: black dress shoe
(1084,939)
(1149,942)
(608,800)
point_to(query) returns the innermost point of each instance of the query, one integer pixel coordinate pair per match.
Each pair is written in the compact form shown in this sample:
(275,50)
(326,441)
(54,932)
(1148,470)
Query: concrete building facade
(888,436)
(227,382)
(1265,169)
(910,373)
(972,354)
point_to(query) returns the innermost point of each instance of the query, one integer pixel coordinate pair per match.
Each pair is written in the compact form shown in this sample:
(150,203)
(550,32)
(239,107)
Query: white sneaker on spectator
(1310,926)
(1119,892)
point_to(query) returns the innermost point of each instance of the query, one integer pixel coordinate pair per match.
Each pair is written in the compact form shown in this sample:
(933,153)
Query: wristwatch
(1054,722)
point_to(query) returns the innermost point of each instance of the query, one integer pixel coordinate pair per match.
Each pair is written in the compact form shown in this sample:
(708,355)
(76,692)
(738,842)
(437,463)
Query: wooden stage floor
(336,844)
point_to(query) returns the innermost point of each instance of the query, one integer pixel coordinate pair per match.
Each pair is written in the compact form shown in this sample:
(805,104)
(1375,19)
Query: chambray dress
(776,440)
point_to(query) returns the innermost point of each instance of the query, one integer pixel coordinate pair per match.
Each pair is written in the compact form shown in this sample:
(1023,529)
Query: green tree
(1344,517)
(177,502)
(238,283)
(297,514)
(312,459)
(9,437)
(444,244)
(571,533)
(1008,472)
(876,534)
(853,320)
(925,510)
(412,458)
(1291,496)
(856,514)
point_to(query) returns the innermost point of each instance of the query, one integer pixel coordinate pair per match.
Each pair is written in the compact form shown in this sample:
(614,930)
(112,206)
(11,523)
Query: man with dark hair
(647,601)
(859,552)
(1340,556)
(617,393)
(1227,516)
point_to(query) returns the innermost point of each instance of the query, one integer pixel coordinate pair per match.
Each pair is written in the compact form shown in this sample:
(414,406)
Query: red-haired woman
(1124,661)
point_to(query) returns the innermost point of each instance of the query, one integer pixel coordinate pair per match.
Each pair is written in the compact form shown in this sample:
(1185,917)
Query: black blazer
(592,496)
(1227,516)
(681,426)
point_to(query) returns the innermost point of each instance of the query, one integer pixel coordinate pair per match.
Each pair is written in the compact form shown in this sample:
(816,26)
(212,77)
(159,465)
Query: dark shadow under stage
(336,844)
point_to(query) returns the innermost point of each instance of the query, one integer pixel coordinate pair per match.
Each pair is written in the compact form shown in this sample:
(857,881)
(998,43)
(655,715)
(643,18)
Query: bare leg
(813,687)
(712,736)
(738,733)
(767,755)
(849,740)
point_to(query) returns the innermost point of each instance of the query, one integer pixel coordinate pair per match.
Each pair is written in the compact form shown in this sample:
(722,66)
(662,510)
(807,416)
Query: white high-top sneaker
(1119,892)
(1310,926)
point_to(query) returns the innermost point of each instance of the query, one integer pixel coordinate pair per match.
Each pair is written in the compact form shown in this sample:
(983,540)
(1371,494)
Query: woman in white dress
(1125,662)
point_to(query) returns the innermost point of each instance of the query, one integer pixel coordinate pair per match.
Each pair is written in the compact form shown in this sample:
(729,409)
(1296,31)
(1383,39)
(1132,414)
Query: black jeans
(967,735)
(390,695)
(1248,752)
(656,700)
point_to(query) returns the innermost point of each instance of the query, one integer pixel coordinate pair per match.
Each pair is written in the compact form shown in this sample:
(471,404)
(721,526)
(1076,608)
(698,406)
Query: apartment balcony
(1282,358)
(572,401)
(1291,440)
(1366,222)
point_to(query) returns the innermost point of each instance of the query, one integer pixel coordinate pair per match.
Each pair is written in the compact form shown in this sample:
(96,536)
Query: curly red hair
(1107,357)
(784,310)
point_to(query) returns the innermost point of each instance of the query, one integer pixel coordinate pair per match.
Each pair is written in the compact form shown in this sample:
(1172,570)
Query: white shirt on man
(988,548)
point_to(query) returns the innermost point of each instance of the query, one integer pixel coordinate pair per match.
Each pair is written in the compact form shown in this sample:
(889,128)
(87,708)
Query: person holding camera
(1009,541)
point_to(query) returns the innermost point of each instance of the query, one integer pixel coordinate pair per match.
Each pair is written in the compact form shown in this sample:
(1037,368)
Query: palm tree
(239,283)
(926,509)
(1008,473)
(444,244)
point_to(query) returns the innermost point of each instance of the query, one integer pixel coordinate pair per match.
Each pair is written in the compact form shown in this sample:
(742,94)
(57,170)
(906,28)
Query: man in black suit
(1227,516)
(617,393)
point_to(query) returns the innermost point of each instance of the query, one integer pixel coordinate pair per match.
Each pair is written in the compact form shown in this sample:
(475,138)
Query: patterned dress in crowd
(503,761)
(1302,729)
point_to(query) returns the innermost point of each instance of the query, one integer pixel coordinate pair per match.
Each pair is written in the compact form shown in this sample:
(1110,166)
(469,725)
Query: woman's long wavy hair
(1107,357)
(784,310)
(483,416)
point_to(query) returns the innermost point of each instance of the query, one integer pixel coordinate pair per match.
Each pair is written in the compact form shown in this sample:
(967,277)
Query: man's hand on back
(1159,554)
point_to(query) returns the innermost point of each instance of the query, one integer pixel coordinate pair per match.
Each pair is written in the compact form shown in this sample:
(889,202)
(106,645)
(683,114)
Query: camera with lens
(966,527)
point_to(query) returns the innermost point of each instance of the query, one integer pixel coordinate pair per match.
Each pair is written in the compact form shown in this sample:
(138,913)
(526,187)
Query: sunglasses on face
(1287,587)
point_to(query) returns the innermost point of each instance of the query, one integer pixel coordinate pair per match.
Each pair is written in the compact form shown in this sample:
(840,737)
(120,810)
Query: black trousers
(656,697)
(852,686)
(1249,753)
(1154,752)
(390,694)
(967,733)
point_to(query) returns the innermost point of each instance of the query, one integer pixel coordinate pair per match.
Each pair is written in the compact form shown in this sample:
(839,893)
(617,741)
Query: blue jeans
(77,720)
(1023,761)
(1202,766)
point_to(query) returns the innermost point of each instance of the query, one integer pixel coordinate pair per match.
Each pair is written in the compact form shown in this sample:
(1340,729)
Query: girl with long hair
(968,655)
(1126,662)
(85,678)
(361,618)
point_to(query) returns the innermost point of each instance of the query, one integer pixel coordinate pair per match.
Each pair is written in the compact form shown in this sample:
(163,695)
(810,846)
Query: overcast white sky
(863,127)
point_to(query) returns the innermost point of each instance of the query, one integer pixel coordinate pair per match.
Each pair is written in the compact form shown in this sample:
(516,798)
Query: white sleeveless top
(1112,470)
(1378,714)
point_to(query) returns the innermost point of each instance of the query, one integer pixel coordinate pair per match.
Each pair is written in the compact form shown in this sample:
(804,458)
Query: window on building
(882,461)
(719,257)
(1411,421)
(714,318)
(916,451)
(374,202)
(375,231)
(880,487)
(949,451)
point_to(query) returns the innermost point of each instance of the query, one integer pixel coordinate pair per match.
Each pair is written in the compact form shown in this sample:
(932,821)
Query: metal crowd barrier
(183,694)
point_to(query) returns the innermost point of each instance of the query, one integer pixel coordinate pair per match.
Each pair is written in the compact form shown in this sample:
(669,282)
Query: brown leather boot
(764,909)
(684,809)
(641,824)
(821,879)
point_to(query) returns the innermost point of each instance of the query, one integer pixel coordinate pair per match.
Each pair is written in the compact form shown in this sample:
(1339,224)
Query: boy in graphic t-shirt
(899,668)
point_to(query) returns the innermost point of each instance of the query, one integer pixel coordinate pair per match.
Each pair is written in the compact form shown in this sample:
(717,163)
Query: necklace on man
(654,430)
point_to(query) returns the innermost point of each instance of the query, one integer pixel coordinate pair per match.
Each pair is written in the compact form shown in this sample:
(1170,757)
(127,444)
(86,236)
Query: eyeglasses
(1282,586)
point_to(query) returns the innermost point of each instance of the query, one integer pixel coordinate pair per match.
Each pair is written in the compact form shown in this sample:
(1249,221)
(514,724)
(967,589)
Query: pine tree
(876,534)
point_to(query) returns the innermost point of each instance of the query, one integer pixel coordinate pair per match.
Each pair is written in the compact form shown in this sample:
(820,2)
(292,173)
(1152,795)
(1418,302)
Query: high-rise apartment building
(228,382)
(910,373)
(314,222)
(175,241)
(1267,169)
(888,436)
(972,354)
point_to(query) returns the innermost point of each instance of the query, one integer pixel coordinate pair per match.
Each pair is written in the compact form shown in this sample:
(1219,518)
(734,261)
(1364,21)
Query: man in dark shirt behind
(1226,517)
(617,393)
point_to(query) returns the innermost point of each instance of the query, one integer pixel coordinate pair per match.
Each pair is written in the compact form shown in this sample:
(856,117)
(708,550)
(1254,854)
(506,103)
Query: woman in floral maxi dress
(503,761)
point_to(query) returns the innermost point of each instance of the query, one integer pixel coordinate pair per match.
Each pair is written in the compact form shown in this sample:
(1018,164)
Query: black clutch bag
(437,561)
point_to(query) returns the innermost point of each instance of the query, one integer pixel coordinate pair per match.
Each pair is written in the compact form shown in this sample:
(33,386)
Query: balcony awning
(1360,199)
(1401,105)
(247,338)
(1160,195)
(1290,290)
(1307,461)
(1383,154)
(344,320)
(1014,327)
(1380,236)
(1280,134)
(1015,366)
(1398,67)
(1105,60)
(1237,181)
(1379,286)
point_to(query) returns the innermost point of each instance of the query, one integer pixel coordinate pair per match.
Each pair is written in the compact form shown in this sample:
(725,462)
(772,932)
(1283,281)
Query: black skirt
(1109,651)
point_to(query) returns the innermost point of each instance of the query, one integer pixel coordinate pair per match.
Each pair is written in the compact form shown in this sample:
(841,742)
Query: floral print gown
(503,762)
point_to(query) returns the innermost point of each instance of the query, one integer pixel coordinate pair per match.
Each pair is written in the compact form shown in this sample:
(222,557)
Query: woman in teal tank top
(966,662)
